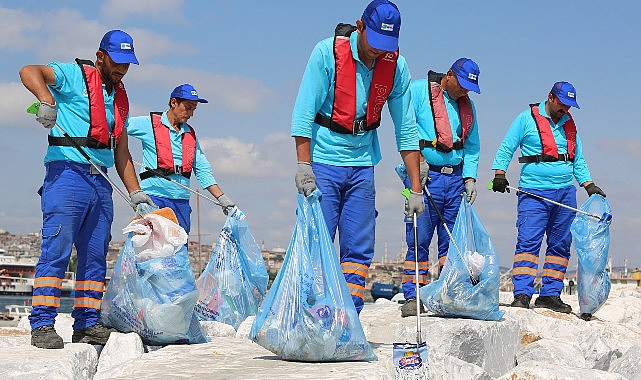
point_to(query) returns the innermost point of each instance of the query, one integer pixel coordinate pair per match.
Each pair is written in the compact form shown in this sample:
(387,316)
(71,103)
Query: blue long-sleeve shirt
(316,94)
(141,128)
(523,134)
(72,104)
(469,155)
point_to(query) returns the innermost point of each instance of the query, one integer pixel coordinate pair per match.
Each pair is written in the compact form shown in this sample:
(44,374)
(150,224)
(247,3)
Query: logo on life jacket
(165,156)
(550,150)
(343,119)
(98,134)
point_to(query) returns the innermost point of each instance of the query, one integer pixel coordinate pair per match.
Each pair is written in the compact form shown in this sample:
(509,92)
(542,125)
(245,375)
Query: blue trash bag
(152,290)
(235,280)
(591,238)
(308,314)
(453,294)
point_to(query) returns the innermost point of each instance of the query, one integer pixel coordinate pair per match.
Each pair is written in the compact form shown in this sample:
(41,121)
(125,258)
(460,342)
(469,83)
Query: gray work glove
(594,189)
(470,190)
(425,173)
(305,178)
(47,115)
(138,197)
(226,203)
(414,204)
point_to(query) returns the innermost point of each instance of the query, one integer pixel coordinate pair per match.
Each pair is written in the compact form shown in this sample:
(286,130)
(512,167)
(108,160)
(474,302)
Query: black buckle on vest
(112,142)
(359,127)
(178,169)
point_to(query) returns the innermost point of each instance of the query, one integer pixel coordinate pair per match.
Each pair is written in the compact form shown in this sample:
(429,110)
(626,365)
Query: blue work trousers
(348,203)
(77,210)
(535,218)
(446,190)
(181,208)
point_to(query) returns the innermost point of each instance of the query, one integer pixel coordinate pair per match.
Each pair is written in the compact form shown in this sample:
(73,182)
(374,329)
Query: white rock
(531,370)
(119,350)
(554,352)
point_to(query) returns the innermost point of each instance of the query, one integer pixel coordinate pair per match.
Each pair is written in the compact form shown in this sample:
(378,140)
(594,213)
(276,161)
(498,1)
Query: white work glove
(226,203)
(470,190)
(138,197)
(47,115)
(424,171)
(305,178)
(414,204)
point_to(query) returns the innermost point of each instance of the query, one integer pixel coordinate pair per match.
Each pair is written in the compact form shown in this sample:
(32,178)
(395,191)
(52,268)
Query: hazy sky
(247,58)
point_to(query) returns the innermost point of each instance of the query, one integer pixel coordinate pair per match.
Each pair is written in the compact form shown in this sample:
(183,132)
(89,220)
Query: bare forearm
(411,159)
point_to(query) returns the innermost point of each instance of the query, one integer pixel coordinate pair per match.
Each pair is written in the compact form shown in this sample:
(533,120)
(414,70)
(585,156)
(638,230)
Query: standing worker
(552,157)
(449,142)
(88,101)
(348,79)
(171,149)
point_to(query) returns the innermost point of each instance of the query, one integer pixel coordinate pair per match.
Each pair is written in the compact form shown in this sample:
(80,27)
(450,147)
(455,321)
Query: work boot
(95,334)
(46,337)
(553,303)
(409,308)
(521,300)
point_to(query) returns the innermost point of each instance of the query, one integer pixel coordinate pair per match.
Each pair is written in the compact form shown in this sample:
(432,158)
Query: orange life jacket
(343,119)
(550,152)
(165,156)
(98,135)
(444,141)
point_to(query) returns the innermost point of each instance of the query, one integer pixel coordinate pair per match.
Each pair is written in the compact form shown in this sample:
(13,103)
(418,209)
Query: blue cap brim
(569,102)
(121,58)
(380,41)
(470,86)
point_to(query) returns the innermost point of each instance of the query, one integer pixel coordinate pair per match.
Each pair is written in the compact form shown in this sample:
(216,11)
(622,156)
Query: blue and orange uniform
(553,180)
(343,163)
(76,203)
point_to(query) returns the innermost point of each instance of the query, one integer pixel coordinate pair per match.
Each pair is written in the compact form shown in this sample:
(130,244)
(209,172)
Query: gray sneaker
(46,337)
(409,308)
(95,334)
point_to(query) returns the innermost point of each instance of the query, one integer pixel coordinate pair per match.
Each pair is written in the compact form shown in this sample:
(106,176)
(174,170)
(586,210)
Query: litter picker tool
(157,172)
(406,194)
(606,217)
(33,109)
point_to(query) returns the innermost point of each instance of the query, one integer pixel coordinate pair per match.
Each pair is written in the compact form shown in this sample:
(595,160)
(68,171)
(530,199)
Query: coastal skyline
(247,58)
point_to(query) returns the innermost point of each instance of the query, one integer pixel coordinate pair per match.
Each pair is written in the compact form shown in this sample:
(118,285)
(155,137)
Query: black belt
(178,169)
(358,127)
(545,158)
(457,145)
(445,169)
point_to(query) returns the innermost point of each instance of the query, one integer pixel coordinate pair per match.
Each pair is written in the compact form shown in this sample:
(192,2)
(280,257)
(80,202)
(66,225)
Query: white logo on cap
(570,94)
(387,27)
(194,93)
(471,76)
(125,46)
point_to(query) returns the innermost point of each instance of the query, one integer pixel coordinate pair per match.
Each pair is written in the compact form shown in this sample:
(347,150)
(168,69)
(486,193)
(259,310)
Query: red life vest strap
(549,152)
(164,153)
(343,119)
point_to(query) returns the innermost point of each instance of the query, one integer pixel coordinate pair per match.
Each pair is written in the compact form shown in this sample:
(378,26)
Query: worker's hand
(305,178)
(425,172)
(470,190)
(594,189)
(138,197)
(500,183)
(226,203)
(47,115)
(414,204)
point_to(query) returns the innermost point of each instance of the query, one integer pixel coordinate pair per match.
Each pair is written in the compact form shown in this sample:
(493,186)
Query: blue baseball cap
(467,72)
(187,92)
(383,23)
(120,46)
(566,93)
